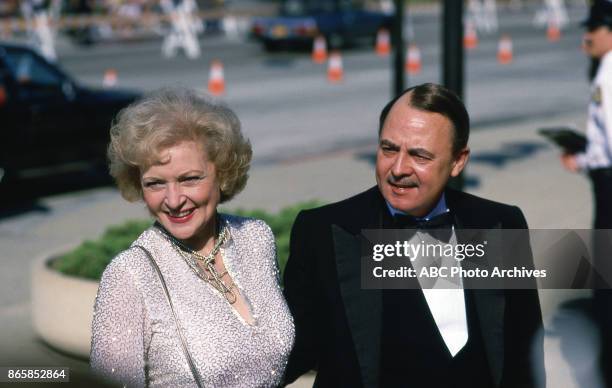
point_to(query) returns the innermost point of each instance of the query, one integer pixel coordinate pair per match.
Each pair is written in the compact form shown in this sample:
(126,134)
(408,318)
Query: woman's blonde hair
(167,117)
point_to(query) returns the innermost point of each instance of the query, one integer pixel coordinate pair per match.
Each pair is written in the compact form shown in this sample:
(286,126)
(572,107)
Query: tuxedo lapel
(363,307)
(489,304)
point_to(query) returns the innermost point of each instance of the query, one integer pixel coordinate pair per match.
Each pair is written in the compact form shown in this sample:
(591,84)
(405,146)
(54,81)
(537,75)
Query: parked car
(49,122)
(341,22)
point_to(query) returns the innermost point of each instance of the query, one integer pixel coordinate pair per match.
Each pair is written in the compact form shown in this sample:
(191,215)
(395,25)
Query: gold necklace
(196,261)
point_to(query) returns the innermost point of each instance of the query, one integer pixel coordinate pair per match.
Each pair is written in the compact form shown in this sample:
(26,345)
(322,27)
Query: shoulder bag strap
(192,366)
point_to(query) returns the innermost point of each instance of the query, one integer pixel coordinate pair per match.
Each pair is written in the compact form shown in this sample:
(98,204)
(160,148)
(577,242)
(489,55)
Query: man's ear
(460,161)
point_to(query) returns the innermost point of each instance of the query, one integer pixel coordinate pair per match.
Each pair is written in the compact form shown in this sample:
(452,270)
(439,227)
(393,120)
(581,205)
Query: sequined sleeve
(269,242)
(118,344)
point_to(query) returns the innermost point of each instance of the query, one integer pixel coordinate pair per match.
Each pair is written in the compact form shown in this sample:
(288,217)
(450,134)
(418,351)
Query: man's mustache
(402,181)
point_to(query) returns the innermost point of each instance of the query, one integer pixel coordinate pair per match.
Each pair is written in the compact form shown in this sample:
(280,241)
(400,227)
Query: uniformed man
(597,161)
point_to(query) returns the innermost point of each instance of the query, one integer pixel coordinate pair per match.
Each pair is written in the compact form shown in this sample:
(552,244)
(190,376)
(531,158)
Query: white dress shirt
(447,304)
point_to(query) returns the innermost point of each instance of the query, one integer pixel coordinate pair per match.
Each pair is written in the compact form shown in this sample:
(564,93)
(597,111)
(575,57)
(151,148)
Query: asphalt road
(289,110)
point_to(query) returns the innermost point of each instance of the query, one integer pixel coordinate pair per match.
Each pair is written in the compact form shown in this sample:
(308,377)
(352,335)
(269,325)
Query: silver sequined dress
(134,337)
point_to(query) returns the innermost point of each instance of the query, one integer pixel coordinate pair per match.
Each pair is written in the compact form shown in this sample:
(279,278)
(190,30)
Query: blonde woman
(195,301)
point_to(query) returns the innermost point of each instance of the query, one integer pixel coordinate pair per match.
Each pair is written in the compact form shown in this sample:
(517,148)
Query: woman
(223,321)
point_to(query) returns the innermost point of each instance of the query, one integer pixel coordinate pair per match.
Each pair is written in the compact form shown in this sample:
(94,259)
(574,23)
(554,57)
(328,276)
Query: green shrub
(90,258)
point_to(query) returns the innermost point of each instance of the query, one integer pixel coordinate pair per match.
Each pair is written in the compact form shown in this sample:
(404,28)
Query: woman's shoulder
(249,229)
(133,259)
(244,224)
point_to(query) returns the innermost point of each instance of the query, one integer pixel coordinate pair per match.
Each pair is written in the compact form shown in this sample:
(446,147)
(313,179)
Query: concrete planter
(62,308)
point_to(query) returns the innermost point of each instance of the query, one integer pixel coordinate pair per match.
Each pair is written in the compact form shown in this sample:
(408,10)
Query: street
(288,109)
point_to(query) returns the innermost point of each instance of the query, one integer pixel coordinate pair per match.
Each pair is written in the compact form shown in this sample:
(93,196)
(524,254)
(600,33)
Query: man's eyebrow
(421,152)
(388,143)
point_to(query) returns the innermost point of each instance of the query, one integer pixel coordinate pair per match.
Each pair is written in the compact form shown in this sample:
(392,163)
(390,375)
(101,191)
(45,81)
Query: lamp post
(399,75)
(453,57)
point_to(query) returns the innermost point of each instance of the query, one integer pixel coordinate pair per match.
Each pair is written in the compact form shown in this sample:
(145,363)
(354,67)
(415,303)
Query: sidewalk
(509,163)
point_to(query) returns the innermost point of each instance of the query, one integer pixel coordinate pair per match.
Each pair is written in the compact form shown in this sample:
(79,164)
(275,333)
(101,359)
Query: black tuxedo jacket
(338,324)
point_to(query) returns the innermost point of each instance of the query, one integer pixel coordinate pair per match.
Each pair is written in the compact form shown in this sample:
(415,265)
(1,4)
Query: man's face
(414,158)
(597,41)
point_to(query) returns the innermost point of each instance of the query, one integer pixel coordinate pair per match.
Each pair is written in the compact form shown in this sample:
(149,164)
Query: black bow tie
(440,227)
(441,221)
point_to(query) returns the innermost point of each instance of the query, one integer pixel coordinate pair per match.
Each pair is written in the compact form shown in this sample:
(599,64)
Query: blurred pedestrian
(483,13)
(195,301)
(185,27)
(597,161)
(553,12)
(38,14)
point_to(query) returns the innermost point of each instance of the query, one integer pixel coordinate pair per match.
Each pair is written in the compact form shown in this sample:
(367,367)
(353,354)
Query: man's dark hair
(435,98)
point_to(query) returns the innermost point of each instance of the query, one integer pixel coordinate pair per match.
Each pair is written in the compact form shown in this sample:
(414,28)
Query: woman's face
(182,193)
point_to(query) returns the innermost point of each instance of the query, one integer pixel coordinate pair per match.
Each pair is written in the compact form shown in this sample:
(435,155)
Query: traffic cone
(110,78)
(553,33)
(216,80)
(383,42)
(470,38)
(319,50)
(335,73)
(413,59)
(504,50)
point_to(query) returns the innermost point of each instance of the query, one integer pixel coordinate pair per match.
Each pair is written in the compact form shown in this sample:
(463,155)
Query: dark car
(341,22)
(49,122)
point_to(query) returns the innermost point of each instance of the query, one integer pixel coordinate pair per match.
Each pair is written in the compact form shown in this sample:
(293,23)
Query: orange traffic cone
(553,33)
(413,59)
(216,80)
(110,78)
(504,50)
(319,50)
(335,73)
(470,38)
(383,42)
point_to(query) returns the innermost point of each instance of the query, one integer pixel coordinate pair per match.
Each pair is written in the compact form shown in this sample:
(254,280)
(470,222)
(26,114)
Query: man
(355,337)
(597,161)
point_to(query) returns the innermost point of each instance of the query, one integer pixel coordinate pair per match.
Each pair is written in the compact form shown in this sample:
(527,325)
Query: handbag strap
(192,366)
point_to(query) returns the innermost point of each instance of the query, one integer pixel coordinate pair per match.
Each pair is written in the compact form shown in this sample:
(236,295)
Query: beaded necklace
(204,265)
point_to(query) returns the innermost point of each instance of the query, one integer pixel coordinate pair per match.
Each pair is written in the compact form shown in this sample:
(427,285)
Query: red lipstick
(180,220)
